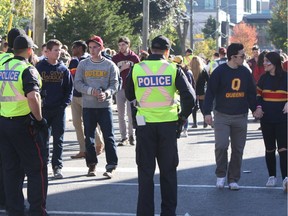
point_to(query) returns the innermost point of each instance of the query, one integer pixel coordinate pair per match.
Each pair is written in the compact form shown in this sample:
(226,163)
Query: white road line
(179,186)
(86,213)
(90,213)
(100,169)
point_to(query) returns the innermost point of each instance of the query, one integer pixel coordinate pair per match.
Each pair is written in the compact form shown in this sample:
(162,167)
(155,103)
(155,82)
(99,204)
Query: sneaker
(79,155)
(57,172)
(131,140)
(109,173)
(285,185)
(220,182)
(123,142)
(184,133)
(272,180)
(234,186)
(92,170)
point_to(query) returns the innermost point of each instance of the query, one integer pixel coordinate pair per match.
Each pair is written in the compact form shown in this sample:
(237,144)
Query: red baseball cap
(95,39)
(222,50)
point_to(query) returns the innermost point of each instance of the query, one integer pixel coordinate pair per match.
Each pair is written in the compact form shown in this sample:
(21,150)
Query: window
(209,4)
(258,7)
(247,6)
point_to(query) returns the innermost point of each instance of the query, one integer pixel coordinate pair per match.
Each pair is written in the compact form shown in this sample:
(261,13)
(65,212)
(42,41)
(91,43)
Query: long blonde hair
(197,66)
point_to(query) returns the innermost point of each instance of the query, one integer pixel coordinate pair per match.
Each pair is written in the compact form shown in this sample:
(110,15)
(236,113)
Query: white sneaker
(184,133)
(57,172)
(272,180)
(285,185)
(220,182)
(234,186)
(123,142)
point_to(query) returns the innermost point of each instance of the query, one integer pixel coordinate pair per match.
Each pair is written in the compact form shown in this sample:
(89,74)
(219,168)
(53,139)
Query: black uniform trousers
(21,151)
(2,192)
(157,141)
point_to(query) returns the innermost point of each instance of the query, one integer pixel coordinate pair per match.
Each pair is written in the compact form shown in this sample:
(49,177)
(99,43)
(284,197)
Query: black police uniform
(20,149)
(158,141)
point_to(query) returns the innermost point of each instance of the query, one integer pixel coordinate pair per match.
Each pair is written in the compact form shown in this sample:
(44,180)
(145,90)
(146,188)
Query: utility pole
(145,24)
(39,23)
(218,25)
(192,4)
(227,24)
(191,24)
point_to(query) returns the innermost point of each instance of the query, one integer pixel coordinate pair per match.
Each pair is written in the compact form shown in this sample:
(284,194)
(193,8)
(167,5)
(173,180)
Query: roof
(257,18)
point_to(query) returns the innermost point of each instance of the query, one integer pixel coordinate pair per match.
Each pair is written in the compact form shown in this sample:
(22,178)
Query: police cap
(23,42)
(161,43)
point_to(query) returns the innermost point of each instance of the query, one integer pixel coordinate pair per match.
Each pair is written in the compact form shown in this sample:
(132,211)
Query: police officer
(153,83)
(20,124)
(12,34)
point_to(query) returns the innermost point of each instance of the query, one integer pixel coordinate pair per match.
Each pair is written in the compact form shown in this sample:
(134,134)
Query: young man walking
(230,84)
(57,87)
(125,59)
(97,79)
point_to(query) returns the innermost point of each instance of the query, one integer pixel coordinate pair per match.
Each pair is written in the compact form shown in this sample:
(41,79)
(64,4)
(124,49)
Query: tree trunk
(182,35)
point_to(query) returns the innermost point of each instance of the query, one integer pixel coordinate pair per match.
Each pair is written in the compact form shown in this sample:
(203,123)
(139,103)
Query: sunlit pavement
(77,194)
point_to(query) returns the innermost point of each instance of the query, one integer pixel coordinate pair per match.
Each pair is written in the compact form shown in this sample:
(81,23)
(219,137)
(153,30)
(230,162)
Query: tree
(245,34)
(124,16)
(209,29)
(86,18)
(22,12)
(57,8)
(165,16)
(205,48)
(278,25)
(160,11)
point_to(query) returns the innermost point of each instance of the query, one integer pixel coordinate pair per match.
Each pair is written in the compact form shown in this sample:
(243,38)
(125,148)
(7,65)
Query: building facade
(230,12)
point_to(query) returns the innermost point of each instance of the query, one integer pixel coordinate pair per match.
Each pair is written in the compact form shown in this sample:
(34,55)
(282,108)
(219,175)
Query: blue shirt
(57,83)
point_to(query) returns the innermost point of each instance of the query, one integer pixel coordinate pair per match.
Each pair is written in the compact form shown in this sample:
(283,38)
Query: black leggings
(275,133)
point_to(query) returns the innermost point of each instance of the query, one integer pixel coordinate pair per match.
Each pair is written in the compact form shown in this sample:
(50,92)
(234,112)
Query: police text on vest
(151,81)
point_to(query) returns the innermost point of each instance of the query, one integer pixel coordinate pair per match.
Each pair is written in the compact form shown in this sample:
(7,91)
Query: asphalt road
(77,194)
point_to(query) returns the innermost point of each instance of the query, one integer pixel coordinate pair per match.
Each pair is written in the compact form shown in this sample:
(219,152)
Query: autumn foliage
(245,34)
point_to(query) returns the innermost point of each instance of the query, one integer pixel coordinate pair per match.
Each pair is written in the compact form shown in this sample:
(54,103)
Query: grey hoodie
(95,75)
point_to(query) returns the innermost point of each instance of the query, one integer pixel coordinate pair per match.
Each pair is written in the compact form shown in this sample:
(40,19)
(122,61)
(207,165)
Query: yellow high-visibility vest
(187,60)
(5,56)
(13,102)
(155,90)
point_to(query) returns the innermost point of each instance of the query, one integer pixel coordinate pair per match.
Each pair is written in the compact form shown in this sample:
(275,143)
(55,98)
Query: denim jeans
(56,122)
(102,116)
